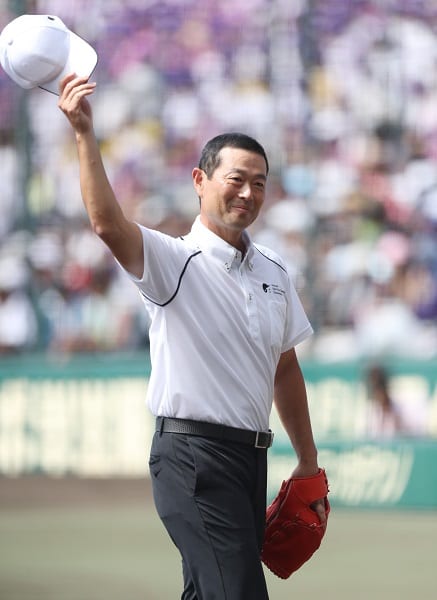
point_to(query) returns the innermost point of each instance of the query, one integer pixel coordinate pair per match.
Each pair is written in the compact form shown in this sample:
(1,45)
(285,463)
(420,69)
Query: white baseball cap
(39,50)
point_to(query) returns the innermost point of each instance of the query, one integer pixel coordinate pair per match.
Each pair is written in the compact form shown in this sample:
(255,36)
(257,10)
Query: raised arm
(122,236)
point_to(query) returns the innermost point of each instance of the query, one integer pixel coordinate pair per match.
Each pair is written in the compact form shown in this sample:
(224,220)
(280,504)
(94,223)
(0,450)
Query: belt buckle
(270,435)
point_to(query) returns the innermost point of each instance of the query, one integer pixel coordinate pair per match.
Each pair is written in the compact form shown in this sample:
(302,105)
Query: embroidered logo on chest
(272,288)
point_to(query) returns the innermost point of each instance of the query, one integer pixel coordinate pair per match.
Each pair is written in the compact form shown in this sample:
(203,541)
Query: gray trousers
(211,497)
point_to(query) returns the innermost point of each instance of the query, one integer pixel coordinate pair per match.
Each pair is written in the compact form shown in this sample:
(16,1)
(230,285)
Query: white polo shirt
(219,324)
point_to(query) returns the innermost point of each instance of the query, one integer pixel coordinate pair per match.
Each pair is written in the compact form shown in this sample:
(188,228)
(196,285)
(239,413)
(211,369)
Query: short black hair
(210,156)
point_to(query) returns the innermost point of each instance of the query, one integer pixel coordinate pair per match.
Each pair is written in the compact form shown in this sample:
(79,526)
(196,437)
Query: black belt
(258,439)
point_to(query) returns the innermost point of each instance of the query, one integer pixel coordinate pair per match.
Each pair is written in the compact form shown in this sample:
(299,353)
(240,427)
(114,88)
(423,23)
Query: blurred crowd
(343,95)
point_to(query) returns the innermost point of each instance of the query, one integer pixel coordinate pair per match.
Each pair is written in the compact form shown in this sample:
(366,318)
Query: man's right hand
(73,103)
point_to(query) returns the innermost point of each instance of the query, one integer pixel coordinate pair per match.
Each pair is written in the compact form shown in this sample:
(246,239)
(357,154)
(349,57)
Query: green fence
(399,473)
(86,416)
(83,415)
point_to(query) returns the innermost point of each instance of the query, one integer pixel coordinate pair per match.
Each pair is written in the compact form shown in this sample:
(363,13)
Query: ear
(198,176)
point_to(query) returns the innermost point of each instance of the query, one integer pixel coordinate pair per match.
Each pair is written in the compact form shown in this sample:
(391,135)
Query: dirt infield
(40,491)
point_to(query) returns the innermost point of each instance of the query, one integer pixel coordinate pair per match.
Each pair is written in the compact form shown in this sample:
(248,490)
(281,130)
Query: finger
(73,83)
(71,96)
(319,507)
(63,82)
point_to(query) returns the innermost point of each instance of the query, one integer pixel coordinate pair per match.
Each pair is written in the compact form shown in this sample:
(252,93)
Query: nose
(245,191)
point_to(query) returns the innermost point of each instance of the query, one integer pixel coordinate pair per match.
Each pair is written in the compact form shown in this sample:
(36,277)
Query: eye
(260,185)
(236,179)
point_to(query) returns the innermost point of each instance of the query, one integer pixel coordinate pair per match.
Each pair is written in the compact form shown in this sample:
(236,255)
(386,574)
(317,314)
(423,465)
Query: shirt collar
(218,248)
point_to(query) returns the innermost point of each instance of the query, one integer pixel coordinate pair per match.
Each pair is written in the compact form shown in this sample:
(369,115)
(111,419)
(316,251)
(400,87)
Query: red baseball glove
(293,529)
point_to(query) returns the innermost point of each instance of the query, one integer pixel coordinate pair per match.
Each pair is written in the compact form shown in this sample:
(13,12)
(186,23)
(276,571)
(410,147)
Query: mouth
(241,208)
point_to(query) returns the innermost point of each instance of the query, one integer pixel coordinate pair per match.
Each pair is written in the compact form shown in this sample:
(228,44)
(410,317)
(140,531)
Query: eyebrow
(243,172)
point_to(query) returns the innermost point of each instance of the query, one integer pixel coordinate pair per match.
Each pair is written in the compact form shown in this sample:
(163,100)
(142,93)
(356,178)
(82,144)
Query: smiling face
(231,199)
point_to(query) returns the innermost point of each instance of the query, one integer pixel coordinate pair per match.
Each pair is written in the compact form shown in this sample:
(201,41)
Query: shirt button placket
(250,305)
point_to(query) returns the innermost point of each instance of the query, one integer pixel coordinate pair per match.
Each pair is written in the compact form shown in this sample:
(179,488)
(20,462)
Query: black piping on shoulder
(271,260)
(178,285)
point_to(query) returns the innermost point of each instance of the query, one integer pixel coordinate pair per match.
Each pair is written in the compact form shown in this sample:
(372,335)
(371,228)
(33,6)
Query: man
(225,319)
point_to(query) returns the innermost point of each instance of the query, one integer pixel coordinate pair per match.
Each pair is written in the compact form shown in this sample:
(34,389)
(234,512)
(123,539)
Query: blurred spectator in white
(17,319)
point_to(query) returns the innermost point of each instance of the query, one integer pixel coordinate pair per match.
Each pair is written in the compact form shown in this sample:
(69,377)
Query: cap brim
(82,60)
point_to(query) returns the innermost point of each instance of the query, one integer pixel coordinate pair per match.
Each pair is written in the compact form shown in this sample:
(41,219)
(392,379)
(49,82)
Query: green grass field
(112,547)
